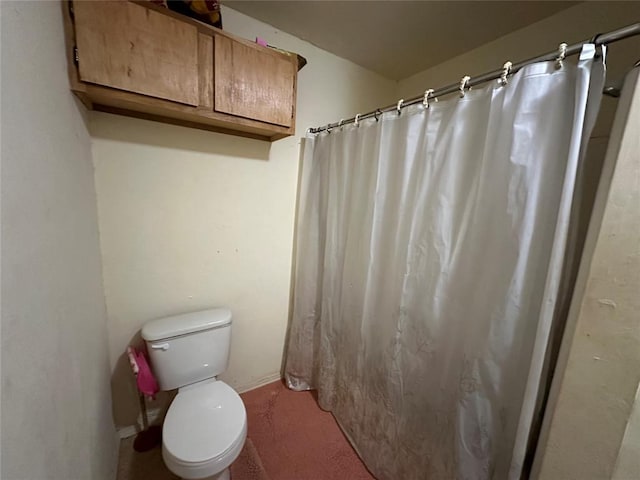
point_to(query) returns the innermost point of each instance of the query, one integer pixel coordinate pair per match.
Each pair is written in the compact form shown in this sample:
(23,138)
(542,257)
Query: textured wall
(56,401)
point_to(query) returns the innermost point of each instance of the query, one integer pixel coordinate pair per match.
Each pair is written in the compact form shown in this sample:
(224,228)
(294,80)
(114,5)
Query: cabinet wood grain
(253,83)
(126,46)
(205,76)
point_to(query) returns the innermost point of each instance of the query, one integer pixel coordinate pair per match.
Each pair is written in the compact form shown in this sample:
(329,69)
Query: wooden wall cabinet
(136,59)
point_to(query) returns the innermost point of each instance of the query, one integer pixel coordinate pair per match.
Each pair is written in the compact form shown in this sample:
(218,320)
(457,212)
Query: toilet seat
(204,430)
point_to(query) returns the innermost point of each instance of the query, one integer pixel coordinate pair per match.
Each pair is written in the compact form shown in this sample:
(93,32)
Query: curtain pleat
(429,252)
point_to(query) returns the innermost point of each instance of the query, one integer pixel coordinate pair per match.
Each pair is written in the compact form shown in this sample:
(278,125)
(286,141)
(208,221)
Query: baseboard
(128,431)
(154,417)
(258,383)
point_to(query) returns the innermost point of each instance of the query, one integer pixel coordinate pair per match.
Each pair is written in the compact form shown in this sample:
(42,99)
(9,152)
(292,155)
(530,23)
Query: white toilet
(206,425)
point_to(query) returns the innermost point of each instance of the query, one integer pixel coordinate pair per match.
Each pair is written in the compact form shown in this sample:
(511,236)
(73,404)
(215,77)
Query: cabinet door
(129,47)
(252,82)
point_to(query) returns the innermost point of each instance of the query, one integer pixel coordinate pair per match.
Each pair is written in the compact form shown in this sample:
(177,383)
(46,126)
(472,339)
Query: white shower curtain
(429,251)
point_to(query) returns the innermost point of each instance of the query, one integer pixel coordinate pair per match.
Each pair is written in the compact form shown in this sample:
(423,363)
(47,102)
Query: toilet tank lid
(167,327)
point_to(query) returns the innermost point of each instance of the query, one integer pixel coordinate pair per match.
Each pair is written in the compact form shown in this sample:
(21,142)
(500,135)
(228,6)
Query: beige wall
(591,399)
(191,219)
(56,398)
(571,25)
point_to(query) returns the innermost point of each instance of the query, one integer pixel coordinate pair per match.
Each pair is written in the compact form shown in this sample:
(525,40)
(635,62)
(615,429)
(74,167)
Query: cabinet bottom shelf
(139,106)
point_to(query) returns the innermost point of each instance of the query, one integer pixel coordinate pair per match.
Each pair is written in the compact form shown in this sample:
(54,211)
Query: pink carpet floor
(289,438)
(296,440)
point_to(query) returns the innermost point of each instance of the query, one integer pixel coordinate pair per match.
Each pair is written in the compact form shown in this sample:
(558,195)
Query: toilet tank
(188,348)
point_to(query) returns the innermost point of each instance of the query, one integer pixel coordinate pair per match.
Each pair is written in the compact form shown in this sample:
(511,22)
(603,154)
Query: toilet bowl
(204,431)
(206,425)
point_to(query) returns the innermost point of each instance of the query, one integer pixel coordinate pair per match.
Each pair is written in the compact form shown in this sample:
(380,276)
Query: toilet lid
(203,422)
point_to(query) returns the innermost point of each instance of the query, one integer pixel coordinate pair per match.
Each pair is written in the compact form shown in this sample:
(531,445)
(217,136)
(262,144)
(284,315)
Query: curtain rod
(467,82)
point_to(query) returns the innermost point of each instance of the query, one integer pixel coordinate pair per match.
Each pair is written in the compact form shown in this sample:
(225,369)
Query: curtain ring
(399,105)
(464,83)
(506,70)
(376,113)
(357,120)
(340,123)
(329,128)
(562,53)
(427,94)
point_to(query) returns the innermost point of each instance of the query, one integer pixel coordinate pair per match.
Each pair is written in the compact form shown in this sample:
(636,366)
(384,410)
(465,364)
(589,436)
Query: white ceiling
(398,38)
